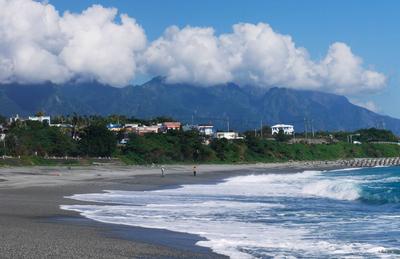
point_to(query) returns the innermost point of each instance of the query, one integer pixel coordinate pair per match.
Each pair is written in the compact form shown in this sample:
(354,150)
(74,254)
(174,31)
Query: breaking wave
(311,214)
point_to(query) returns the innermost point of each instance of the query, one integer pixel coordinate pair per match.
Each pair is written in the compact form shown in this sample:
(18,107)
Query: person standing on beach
(162,171)
(194,171)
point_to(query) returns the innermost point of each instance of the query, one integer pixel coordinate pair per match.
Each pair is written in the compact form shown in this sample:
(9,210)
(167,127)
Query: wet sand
(33,226)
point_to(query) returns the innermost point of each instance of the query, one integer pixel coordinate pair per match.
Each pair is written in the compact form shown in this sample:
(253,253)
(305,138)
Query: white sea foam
(233,215)
(341,190)
(224,236)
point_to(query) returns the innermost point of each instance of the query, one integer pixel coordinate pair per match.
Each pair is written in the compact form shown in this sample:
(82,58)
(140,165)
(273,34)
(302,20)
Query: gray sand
(33,226)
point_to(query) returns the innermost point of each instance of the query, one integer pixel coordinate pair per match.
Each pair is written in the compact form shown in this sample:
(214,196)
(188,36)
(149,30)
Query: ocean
(312,214)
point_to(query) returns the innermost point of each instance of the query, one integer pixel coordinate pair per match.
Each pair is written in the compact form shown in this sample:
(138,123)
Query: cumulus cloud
(29,38)
(37,44)
(189,55)
(343,70)
(99,48)
(254,54)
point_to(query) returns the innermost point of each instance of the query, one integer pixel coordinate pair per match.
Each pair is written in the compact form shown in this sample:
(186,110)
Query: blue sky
(370,28)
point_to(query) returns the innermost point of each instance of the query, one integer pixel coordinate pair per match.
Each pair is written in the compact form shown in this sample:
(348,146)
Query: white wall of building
(207,130)
(40,118)
(287,129)
(227,135)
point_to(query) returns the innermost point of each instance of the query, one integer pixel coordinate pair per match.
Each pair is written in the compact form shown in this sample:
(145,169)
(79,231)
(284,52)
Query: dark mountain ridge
(243,107)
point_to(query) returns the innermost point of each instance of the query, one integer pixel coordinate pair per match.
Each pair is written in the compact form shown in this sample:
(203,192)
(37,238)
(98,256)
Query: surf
(307,214)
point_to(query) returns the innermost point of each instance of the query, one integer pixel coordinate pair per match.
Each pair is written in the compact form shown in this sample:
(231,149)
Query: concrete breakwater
(371,162)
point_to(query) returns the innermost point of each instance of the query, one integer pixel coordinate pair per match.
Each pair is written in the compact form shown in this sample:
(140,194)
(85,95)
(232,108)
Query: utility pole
(261,128)
(312,128)
(228,124)
(305,127)
(4,145)
(350,137)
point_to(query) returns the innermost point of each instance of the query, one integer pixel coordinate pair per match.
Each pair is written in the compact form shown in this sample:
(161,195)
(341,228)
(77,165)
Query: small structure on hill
(203,129)
(141,130)
(171,125)
(287,129)
(131,127)
(114,127)
(15,119)
(62,125)
(227,135)
(40,119)
(206,129)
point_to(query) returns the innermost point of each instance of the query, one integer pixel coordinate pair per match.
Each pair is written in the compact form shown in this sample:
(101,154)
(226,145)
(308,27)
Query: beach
(33,225)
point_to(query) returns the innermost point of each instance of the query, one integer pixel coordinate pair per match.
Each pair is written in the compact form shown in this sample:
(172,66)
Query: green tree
(281,136)
(39,114)
(35,138)
(3,119)
(97,141)
(373,134)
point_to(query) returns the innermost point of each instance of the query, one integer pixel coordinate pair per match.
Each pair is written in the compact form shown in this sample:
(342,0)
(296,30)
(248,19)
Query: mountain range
(227,105)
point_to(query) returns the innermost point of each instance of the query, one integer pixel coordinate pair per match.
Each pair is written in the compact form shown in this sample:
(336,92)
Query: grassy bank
(31,142)
(41,161)
(223,151)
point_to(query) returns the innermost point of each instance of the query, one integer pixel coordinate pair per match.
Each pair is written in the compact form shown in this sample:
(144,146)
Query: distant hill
(244,106)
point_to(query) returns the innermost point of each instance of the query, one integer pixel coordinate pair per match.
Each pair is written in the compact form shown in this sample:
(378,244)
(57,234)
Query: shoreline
(28,176)
(23,162)
(34,226)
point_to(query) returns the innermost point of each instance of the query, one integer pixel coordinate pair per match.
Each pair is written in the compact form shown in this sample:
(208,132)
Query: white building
(203,129)
(40,119)
(15,118)
(287,129)
(62,125)
(131,125)
(227,135)
(170,125)
(141,130)
(124,141)
(207,130)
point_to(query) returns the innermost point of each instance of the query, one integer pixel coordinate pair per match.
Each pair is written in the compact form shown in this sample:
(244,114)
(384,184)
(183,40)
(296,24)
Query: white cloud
(191,55)
(37,44)
(29,38)
(343,70)
(99,48)
(255,54)
(369,105)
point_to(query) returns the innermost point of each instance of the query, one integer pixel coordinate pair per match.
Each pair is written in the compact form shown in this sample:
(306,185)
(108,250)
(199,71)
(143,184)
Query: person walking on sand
(194,171)
(162,171)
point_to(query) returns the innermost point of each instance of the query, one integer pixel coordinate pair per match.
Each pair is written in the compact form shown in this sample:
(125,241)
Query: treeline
(367,135)
(30,138)
(187,147)
(87,136)
(85,120)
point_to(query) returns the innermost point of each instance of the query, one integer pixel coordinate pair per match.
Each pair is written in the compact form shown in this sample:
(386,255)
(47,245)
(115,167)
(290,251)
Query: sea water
(312,214)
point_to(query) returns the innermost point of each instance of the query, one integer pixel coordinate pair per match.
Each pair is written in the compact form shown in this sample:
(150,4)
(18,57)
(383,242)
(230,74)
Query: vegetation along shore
(88,140)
